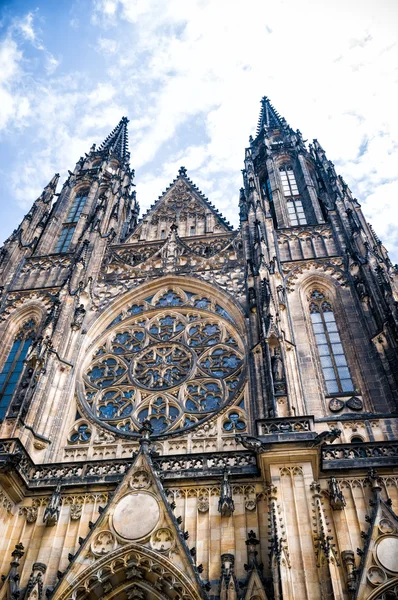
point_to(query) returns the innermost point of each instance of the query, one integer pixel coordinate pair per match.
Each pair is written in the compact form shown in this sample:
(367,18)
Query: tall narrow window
(288,181)
(296,212)
(14,365)
(69,226)
(331,352)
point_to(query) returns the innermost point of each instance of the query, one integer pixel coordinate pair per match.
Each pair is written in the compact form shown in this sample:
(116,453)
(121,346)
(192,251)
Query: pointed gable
(184,204)
(136,544)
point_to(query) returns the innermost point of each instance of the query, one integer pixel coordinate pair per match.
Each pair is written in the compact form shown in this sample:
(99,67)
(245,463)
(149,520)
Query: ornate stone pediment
(135,545)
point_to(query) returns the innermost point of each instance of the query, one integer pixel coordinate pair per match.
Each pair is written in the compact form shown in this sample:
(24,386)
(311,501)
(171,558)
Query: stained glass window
(14,365)
(65,239)
(174,359)
(331,353)
(69,226)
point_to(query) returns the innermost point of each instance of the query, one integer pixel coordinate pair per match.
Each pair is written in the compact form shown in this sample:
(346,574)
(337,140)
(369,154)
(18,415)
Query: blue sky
(189,74)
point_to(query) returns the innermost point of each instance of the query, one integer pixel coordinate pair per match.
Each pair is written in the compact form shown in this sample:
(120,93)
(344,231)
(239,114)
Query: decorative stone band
(285,426)
(362,455)
(13,457)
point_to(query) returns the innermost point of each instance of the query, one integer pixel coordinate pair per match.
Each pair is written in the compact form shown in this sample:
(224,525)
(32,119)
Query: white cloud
(190,75)
(107,46)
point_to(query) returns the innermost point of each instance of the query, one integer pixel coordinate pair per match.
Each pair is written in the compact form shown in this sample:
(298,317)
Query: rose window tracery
(175,358)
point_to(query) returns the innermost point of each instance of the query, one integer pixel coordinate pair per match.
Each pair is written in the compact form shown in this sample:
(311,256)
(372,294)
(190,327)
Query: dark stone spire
(117,141)
(269,117)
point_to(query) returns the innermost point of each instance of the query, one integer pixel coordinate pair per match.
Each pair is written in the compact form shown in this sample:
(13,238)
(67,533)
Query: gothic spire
(269,117)
(117,140)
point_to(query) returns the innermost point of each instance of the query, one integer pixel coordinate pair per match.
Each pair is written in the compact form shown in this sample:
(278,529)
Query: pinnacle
(117,140)
(269,116)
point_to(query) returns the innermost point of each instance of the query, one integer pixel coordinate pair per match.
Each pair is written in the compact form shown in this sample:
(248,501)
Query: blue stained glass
(143,414)
(203,303)
(173,412)
(13,368)
(169,299)
(107,412)
(136,309)
(158,424)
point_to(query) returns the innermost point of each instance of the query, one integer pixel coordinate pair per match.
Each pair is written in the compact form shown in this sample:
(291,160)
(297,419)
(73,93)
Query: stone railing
(14,458)
(286,428)
(361,455)
(203,465)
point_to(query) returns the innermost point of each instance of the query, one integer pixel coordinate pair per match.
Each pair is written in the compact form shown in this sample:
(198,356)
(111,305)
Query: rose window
(174,359)
(162,366)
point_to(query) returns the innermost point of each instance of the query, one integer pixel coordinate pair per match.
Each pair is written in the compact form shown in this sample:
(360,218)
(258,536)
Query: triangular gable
(255,587)
(135,545)
(182,203)
(379,557)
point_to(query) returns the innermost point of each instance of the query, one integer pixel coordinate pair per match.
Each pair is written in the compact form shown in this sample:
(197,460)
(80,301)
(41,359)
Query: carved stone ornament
(203,504)
(376,576)
(103,543)
(140,480)
(162,540)
(336,404)
(76,511)
(355,403)
(135,593)
(250,504)
(30,512)
(386,526)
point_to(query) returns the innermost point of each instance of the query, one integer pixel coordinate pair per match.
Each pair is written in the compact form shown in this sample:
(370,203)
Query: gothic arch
(132,567)
(30,310)
(388,591)
(191,284)
(334,293)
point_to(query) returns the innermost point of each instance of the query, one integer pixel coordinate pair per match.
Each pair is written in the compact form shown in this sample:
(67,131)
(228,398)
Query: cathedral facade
(193,412)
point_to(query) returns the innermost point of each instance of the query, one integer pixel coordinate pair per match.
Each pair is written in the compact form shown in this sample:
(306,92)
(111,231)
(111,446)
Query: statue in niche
(171,251)
(278,374)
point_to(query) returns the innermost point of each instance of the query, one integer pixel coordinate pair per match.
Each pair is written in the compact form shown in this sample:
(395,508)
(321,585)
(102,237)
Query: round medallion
(162,540)
(376,576)
(162,366)
(387,553)
(103,543)
(386,526)
(136,515)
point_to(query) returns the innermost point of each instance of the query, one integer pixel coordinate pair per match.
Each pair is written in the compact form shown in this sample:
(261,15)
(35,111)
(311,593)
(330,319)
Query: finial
(182,171)
(146,432)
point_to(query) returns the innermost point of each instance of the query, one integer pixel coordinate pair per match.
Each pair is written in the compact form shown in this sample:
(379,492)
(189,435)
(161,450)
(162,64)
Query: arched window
(69,226)
(331,352)
(295,207)
(14,364)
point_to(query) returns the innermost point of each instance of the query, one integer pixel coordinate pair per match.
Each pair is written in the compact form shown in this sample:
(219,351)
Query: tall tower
(190,411)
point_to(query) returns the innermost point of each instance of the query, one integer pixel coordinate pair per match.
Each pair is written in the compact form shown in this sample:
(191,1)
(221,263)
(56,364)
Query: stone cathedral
(189,411)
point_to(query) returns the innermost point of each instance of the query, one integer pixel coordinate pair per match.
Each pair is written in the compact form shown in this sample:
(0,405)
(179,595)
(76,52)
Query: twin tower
(190,411)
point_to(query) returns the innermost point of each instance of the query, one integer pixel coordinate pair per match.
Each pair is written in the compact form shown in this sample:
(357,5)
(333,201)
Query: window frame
(331,354)
(69,226)
(65,238)
(13,366)
(289,181)
(295,214)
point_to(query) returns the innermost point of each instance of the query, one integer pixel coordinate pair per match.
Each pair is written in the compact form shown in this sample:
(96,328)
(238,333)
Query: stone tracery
(160,360)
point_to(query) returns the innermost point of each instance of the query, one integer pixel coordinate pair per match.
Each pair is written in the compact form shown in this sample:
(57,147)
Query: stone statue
(277,366)
(78,317)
